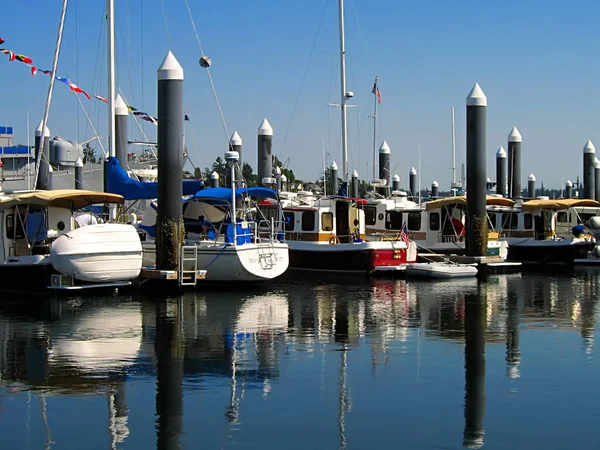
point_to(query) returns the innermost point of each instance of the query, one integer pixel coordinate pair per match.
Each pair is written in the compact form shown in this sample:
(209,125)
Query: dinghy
(441,270)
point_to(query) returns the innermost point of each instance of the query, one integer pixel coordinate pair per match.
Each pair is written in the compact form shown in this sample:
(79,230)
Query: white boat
(47,241)
(441,270)
(249,252)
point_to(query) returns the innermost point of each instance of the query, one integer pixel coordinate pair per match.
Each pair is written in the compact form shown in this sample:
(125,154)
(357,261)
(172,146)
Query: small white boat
(441,270)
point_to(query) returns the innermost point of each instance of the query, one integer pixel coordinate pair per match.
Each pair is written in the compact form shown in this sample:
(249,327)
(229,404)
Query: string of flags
(12,56)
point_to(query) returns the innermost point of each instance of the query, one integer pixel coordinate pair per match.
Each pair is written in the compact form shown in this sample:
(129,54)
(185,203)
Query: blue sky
(536,61)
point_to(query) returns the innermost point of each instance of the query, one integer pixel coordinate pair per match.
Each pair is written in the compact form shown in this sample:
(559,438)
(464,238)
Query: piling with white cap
(501,172)
(214,180)
(334,179)
(354,185)
(121,118)
(514,163)
(589,171)
(476,232)
(43,159)
(435,186)
(169,220)
(384,162)
(597,177)
(569,189)
(79,174)
(396,182)
(412,183)
(278,178)
(284,182)
(235,145)
(531,186)
(265,159)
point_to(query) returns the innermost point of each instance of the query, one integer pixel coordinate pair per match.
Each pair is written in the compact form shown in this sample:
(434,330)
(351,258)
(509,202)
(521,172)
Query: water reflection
(246,353)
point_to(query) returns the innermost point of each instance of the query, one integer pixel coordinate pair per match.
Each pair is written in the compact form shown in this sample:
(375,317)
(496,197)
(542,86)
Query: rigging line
(164,13)
(96,61)
(127,67)
(312,50)
(330,86)
(92,125)
(137,122)
(360,30)
(59,37)
(195,147)
(142,48)
(212,84)
(77,63)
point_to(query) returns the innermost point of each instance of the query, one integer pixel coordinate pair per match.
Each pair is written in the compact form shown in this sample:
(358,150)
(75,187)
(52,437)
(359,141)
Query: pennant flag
(376,92)
(186,118)
(24,59)
(2,41)
(33,70)
(132,109)
(77,89)
(46,72)
(11,55)
(102,99)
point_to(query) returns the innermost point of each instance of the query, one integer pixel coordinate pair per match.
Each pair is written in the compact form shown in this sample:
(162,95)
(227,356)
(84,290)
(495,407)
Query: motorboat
(441,270)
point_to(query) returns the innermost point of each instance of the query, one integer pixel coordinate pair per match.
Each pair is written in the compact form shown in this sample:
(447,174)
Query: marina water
(348,363)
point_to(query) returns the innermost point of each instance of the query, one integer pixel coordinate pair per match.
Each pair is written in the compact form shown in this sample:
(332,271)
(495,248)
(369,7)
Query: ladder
(188,265)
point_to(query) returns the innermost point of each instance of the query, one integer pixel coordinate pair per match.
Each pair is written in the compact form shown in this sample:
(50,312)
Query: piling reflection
(475,326)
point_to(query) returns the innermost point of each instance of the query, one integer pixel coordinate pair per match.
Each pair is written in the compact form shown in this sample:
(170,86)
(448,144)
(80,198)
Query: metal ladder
(188,265)
(267,259)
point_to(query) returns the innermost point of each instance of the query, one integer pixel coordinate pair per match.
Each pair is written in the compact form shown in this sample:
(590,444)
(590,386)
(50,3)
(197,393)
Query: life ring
(333,239)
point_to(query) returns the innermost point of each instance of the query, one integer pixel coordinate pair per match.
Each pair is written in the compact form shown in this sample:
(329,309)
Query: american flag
(404,235)
(375,91)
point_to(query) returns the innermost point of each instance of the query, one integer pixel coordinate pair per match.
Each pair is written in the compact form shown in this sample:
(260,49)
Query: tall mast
(453,150)
(110,18)
(343,92)
(375,87)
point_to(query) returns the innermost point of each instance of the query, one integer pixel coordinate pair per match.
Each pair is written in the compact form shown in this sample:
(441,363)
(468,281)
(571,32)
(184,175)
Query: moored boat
(441,270)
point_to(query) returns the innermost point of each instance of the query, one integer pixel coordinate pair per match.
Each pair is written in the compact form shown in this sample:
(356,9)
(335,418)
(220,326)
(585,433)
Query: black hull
(363,261)
(26,279)
(551,254)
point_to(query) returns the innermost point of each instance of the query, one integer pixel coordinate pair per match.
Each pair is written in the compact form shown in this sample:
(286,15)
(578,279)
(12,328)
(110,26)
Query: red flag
(76,88)
(11,55)
(24,59)
(2,41)
(33,70)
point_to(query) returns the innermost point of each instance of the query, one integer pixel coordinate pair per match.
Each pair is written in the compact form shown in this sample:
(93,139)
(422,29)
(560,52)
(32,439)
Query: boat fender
(333,239)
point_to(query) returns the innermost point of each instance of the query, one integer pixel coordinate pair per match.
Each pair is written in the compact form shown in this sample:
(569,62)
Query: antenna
(419,174)
(453,150)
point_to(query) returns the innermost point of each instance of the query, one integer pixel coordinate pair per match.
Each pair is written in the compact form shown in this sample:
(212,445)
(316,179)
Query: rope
(61,27)
(164,13)
(314,44)
(212,84)
(92,125)
(142,47)
(77,62)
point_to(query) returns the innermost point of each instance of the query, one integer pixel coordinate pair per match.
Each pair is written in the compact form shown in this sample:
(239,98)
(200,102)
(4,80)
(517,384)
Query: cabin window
(510,221)
(434,221)
(563,217)
(528,221)
(289,219)
(327,221)
(10,226)
(308,221)
(414,221)
(370,215)
(393,220)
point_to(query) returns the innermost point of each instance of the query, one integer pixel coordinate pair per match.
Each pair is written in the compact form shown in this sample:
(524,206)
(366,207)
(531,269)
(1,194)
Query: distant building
(14,157)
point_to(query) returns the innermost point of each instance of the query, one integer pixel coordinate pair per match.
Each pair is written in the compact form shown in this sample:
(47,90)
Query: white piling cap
(435,183)
(79,163)
(334,166)
(283,177)
(589,148)
(278,170)
(214,176)
(501,153)
(38,131)
(597,164)
(515,136)
(413,171)
(170,69)
(355,174)
(50,169)
(476,97)
(384,149)
(488,180)
(265,128)
(531,177)
(120,106)
(235,139)
(569,183)
(396,177)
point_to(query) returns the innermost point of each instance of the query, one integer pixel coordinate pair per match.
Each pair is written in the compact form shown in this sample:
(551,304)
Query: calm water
(509,364)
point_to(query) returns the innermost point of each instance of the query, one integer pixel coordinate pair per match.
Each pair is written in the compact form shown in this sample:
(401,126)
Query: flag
(24,59)
(375,91)
(33,70)
(186,117)
(404,237)
(131,108)
(46,72)
(11,55)
(102,99)
(2,41)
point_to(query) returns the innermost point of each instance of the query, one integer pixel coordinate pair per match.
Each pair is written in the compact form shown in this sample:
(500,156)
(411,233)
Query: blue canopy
(118,182)
(222,193)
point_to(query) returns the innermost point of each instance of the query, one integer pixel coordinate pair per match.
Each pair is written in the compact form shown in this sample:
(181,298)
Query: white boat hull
(441,270)
(98,253)
(247,263)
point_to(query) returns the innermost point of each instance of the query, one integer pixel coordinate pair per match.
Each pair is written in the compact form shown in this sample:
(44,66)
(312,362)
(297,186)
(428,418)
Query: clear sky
(537,62)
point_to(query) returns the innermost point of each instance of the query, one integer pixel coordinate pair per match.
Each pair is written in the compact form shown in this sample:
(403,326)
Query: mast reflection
(475,325)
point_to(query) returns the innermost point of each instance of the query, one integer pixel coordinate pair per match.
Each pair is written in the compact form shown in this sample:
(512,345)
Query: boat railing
(266,230)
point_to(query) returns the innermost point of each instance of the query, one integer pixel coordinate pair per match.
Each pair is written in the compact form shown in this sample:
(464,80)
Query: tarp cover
(222,193)
(118,182)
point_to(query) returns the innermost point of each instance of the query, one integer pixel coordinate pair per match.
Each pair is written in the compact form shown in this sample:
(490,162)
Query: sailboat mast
(110,18)
(453,150)
(343,92)
(375,130)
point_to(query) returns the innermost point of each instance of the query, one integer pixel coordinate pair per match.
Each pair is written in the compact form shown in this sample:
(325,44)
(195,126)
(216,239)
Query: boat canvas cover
(118,182)
(564,203)
(224,194)
(65,198)
(490,200)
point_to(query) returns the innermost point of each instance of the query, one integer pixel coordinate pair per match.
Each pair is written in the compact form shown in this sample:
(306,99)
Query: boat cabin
(30,221)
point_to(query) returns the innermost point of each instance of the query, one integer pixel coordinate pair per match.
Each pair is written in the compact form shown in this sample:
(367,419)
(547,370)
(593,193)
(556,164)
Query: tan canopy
(64,198)
(490,200)
(564,203)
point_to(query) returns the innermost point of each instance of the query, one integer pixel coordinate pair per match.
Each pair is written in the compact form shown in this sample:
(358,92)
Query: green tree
(284,170)
(89,154)
(198,173)
(249,175)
